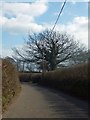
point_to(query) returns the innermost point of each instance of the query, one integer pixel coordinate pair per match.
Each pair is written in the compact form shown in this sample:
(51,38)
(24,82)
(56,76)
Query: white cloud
(44,0)
(77,27)
(20,25)
(73,2)
(22,20)
(3,20)
(6,52)
(20,17)
(32,9)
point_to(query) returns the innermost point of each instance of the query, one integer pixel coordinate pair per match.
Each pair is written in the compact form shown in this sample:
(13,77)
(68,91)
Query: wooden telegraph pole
(43,66)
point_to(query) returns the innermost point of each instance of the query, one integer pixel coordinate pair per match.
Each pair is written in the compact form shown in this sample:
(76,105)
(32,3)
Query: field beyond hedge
(72,80)
(10,83)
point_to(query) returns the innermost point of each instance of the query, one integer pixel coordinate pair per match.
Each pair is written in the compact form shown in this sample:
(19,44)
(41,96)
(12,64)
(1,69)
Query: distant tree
(51,48)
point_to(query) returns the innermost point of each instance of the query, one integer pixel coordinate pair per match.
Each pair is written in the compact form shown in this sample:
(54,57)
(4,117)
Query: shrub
(36,77)
(25,77)
(10,82)
(72,80)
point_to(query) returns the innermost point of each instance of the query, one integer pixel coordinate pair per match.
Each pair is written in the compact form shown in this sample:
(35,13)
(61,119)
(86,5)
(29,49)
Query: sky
(18,18)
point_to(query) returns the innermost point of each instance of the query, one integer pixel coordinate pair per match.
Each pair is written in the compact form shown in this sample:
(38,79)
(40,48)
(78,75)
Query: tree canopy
(51,50)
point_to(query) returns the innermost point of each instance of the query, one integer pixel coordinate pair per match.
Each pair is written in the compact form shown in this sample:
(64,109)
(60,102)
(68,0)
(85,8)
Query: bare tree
(54,48)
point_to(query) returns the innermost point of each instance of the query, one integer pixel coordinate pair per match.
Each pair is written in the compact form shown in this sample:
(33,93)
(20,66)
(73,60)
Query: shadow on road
(63,103)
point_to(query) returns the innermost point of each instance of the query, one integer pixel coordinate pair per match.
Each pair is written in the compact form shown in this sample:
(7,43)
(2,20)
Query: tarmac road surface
(39,102)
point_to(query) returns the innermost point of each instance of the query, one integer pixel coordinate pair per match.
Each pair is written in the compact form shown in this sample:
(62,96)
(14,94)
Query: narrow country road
(38,102)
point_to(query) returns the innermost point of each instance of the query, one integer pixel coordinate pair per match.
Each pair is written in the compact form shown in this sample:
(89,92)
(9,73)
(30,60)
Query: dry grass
(10,83)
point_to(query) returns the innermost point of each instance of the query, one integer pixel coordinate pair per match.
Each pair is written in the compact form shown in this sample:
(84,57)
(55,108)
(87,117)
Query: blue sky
(16,22)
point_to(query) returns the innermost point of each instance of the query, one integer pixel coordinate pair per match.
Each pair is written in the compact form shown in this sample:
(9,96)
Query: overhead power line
(53,29)
(58,15)
(61,10)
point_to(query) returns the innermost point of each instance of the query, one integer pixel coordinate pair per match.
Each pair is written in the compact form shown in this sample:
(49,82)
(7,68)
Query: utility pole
(23,65)
(43,67)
